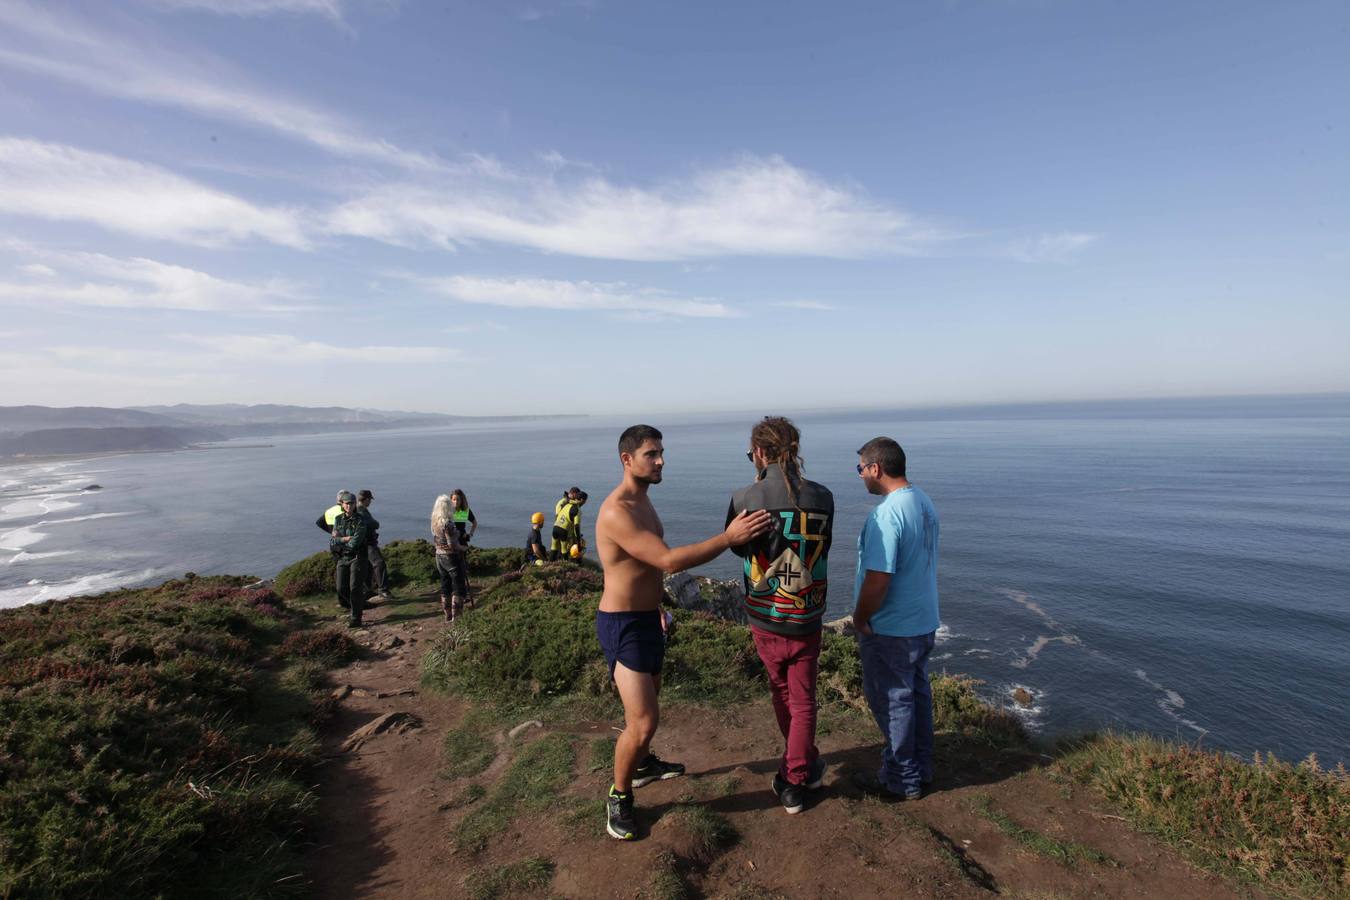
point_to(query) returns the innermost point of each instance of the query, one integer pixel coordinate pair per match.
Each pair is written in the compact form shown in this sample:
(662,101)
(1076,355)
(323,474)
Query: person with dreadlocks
(785,585)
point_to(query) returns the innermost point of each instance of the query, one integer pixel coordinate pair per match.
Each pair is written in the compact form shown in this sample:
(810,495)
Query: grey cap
(346,497)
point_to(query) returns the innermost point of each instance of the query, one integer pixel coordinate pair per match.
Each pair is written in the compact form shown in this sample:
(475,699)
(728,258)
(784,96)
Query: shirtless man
(630,624)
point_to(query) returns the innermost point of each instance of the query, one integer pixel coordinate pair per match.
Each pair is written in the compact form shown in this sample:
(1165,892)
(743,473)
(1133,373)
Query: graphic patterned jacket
(785,568)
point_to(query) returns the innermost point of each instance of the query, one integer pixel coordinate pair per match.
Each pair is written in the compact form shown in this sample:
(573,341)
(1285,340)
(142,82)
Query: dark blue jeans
(895,683)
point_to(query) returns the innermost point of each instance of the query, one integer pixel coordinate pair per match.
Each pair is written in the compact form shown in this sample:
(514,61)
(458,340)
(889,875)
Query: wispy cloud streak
(42,42)
(1050,248)
(61,183)
(139,283)
(757,206)
(580,296)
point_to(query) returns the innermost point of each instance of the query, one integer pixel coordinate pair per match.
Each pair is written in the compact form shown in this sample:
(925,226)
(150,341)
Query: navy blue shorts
(632,638)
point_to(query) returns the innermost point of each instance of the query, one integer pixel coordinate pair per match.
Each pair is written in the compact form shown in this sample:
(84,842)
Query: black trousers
(453,573)
(351,575)
(377,576)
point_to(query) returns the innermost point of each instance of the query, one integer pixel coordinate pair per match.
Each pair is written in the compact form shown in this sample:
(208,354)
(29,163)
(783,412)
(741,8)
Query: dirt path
(994,823)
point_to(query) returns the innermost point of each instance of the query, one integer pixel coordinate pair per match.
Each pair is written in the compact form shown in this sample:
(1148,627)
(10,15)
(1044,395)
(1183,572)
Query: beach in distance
(1175,567)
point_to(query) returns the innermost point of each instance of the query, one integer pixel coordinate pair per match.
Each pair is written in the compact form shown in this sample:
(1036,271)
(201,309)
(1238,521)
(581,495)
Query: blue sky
(529,207)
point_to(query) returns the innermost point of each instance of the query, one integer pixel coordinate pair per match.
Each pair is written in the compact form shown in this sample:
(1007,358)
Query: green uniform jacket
(354,527)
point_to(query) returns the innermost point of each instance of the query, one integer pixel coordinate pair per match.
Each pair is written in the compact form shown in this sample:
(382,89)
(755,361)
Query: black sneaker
(654,768)
(619,820)
(815,776)
(793,796)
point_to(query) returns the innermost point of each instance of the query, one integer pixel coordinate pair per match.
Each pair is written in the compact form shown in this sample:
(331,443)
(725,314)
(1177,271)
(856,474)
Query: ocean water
(1181,568)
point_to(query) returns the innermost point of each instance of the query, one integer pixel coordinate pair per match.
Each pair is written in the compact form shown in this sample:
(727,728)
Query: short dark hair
(634,436)
(886,453)
(364,494)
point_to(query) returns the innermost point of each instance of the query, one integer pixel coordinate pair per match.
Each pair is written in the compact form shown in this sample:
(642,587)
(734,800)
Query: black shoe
(792,795)
(815,776)
(619,820)
(354,623)
(654,768)
(870,785)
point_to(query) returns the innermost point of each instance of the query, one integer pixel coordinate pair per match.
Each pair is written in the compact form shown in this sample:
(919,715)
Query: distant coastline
(41,433)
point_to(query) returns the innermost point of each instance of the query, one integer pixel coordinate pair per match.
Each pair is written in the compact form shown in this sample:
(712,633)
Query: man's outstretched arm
(645,546)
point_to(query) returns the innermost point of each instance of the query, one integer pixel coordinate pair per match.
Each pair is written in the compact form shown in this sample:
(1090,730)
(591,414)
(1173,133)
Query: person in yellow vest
(466,523)
(329,516)
(566,523)
(577,538)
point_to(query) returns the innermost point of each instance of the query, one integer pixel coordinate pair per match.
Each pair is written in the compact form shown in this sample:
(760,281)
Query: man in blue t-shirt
(896,618)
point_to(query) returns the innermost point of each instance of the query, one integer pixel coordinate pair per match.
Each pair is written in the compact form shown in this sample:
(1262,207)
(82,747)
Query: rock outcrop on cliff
(723,599)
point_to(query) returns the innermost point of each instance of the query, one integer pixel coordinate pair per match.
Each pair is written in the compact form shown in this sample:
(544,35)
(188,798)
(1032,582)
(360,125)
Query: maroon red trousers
(792,664)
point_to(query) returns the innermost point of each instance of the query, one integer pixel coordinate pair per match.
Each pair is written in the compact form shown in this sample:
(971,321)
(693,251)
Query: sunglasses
(750,455)
(862,466)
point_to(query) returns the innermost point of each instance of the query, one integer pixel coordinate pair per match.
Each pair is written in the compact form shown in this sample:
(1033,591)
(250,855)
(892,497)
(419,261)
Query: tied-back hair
(461,497)
(442,514)
(780,441)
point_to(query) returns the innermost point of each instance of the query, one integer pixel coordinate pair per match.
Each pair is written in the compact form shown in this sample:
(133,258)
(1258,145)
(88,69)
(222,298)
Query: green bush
(495,560)
(145,750)
(311,575)
(410,562)
(528,645)
(535,635)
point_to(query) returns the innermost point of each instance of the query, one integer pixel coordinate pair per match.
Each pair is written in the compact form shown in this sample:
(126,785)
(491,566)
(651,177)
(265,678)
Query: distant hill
(59,441)
(280,414)
(25,429)
(18,419)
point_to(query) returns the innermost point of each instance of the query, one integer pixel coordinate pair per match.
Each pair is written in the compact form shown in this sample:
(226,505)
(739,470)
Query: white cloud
(54,181)
(1051,248)
(757,206)
(328,9)
(185,354)
(286,349)
(41,42)
(148,284)
(544,293)
(804,304)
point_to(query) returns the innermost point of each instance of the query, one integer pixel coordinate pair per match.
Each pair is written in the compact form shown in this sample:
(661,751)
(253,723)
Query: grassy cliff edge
(163,740)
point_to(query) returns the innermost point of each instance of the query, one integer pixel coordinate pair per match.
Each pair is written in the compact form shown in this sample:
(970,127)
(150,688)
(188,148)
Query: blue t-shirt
(900,536)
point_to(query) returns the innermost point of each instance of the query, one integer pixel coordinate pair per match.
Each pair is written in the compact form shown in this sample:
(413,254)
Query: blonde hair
(442,514)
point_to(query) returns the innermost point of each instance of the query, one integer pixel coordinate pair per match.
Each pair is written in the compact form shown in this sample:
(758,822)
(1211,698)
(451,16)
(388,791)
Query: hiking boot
(815,776)
(870,785)
(354,623)
(792,796)
(654,768)
(619,820)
